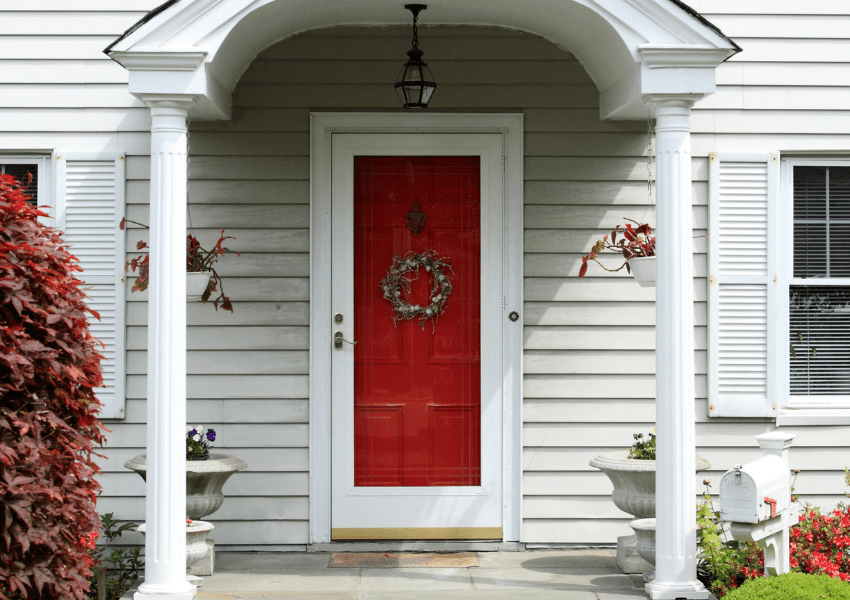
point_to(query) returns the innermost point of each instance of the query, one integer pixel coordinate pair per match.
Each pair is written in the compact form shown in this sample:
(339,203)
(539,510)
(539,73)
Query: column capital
(178,101)
(656,101)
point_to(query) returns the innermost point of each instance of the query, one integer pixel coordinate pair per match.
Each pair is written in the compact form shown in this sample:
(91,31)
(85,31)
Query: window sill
(813,416)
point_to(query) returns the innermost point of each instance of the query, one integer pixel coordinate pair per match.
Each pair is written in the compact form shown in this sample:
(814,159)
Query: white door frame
(323,125)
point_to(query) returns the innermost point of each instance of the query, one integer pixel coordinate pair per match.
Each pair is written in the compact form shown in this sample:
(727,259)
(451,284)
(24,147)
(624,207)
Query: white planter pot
(645,531)
(196,285)
(634,493)
(204,481)
(196,540)
(634,481)
(643,270)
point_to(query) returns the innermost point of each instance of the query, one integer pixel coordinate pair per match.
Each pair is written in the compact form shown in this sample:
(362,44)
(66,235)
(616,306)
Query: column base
(675,590)
(186,592)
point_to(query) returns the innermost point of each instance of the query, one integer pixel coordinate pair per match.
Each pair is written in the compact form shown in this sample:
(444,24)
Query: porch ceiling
(631,48)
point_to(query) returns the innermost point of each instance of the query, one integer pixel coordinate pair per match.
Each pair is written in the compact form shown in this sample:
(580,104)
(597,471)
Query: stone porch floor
(525,575)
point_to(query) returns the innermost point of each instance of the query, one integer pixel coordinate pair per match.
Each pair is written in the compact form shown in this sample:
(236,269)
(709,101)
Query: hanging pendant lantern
(415,84)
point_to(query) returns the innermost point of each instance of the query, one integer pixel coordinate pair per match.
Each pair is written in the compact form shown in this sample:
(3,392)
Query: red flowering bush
(49,367)
(820,543)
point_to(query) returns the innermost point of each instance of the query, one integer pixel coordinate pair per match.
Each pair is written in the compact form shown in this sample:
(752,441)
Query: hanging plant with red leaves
(49,367)
(634,242)
(198,259)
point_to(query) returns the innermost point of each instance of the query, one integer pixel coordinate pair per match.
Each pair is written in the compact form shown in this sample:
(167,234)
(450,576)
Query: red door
(417,386)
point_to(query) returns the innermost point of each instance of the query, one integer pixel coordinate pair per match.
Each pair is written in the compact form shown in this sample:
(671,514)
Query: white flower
(200,428)
(188,428)
(196,437)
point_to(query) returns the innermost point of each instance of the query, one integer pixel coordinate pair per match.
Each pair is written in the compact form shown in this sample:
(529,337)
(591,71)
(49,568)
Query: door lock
(338,341)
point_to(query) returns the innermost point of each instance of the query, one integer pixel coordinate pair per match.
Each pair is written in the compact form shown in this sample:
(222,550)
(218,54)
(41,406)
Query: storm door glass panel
(417,383)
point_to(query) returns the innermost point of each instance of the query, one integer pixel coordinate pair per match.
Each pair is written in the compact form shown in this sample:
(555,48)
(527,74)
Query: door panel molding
(323,125)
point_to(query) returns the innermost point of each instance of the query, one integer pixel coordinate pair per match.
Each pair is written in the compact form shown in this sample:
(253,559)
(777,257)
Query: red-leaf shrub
(49,364)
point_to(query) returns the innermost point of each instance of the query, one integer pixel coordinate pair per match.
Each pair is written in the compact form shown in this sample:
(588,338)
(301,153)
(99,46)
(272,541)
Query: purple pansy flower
(211,435)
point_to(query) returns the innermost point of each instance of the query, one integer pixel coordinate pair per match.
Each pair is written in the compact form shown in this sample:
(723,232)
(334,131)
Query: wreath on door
(396,285)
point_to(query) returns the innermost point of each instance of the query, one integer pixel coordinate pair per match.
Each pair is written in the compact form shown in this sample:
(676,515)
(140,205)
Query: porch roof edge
(161,8)
(698,16)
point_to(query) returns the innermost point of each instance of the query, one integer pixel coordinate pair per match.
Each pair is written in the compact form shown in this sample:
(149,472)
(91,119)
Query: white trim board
(323,125)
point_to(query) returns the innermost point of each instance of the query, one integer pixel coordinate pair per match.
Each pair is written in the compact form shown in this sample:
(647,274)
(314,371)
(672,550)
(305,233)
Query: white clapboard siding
(93,187)
(742,286)
(788,90)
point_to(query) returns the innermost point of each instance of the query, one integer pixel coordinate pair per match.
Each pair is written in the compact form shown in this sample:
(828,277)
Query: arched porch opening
(650,56)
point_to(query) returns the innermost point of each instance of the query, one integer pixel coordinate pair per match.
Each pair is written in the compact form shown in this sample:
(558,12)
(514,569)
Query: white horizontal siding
(589,343)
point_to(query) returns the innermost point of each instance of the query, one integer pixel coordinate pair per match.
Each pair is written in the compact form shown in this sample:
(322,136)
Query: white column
(165,507)
(675,488)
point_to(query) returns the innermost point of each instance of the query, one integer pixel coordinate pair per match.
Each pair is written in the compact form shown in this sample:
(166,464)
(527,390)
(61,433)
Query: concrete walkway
(532,574)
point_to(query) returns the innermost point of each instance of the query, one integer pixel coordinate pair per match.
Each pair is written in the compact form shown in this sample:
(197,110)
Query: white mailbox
(755,492)
(755,501)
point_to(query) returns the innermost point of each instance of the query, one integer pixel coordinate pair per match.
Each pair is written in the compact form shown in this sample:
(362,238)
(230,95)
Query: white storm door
(417,406)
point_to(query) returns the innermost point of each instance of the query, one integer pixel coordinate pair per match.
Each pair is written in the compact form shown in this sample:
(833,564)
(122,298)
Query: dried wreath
(397,279)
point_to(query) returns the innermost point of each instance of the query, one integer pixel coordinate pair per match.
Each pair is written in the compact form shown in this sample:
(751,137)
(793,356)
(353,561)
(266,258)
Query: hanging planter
(643,270)
(637,247)
(196,284)
(200,272)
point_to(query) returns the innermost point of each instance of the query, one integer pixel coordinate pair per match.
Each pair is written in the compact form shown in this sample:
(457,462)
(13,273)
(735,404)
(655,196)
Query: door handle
(338,341)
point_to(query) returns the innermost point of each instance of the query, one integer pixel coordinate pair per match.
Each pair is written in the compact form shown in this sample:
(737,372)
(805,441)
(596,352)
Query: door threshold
(417,546)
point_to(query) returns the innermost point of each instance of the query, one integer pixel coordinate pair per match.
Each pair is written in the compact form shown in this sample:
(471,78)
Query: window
(20,166)
(87,205)
(779,288)
(818,284)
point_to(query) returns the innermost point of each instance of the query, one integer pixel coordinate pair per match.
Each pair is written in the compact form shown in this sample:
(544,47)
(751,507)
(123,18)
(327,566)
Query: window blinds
(821,221)
(19,172)
(819,313)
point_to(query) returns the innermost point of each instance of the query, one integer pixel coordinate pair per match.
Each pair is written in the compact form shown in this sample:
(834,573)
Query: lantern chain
(415,30)
(650,162)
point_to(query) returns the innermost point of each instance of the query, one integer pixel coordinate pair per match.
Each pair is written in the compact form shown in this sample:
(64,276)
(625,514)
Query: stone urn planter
(645,531)
(634,493)
(204,481)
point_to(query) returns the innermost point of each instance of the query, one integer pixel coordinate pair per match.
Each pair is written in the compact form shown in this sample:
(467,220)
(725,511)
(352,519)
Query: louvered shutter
(90,213)
(742,331)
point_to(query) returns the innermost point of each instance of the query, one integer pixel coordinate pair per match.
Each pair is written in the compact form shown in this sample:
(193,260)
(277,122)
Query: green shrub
(792,586)
(724,564)
(121,565)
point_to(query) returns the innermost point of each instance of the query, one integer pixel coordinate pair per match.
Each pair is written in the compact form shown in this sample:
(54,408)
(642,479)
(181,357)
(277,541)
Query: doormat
(410,560)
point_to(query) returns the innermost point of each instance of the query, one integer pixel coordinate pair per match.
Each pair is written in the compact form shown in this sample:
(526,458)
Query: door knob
(338,341)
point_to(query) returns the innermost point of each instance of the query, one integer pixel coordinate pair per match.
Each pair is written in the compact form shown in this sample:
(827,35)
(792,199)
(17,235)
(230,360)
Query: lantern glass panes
(415,85)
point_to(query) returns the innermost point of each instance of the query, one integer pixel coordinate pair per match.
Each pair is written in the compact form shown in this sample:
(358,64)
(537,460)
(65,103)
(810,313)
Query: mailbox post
(756,501)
